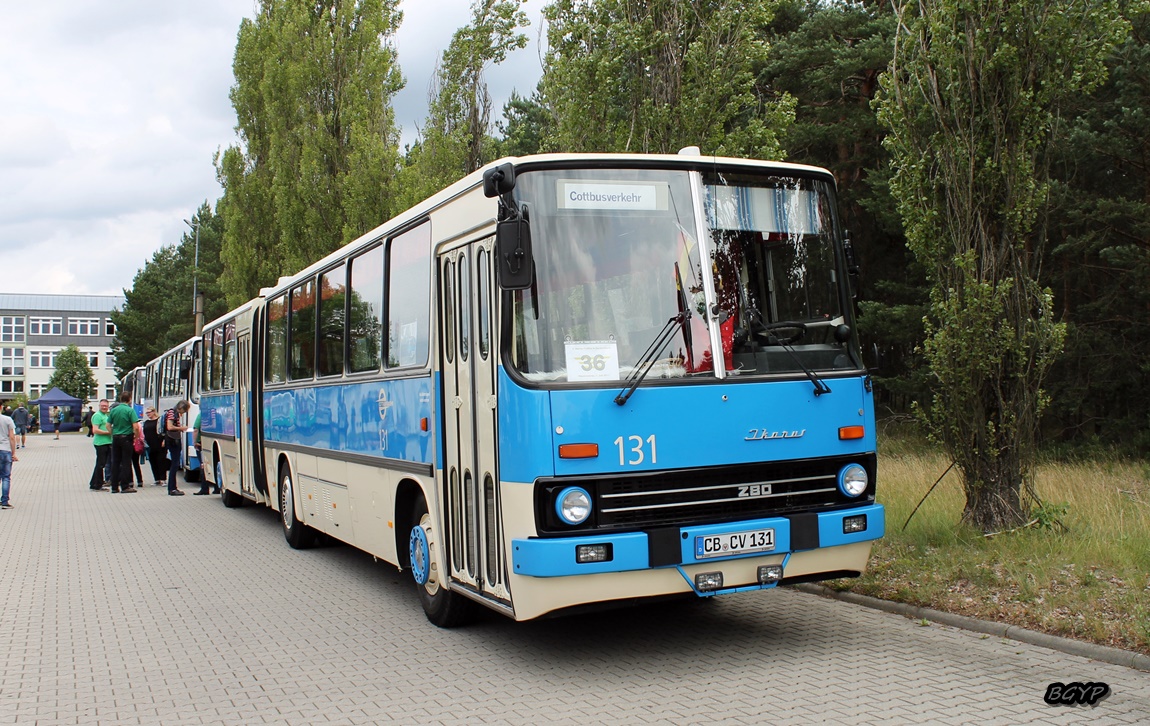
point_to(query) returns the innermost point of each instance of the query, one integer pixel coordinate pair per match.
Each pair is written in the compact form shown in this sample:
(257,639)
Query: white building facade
(35,328)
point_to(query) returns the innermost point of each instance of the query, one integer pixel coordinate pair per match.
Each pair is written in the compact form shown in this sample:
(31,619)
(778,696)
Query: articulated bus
(163,382)
(566,381)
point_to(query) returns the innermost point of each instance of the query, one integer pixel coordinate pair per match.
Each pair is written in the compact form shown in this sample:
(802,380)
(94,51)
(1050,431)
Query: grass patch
(1082,572)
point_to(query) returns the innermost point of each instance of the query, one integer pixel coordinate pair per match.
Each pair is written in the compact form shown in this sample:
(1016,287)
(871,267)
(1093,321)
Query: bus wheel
(230,499)
(298,535)
(443,607)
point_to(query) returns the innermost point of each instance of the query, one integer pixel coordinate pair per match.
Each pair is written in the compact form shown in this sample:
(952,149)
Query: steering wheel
(797,331)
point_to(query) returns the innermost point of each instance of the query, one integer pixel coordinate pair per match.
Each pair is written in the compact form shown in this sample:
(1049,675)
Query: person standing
(87,420)
(173,439)
(157,454)
(21,419)
(55,416)
(125,428)
(7,456)
(206,487)
(102,441)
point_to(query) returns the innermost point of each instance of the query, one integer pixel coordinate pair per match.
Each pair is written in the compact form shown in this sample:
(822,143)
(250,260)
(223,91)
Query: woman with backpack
(157,452)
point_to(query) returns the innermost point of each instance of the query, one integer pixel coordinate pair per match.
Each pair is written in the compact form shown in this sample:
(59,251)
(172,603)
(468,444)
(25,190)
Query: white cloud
(113,113)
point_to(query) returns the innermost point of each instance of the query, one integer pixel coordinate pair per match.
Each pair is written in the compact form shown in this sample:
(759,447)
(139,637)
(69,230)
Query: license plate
(734,543)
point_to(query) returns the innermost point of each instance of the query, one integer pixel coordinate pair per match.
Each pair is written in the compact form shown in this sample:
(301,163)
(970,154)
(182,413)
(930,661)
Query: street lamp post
(197,303)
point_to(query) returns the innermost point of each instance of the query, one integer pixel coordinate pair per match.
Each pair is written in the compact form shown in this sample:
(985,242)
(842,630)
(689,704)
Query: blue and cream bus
(566,380)
(168,378)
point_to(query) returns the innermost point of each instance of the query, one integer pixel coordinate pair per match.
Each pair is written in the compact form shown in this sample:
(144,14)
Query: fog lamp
(707,581)
(593,553)
(856,523)
(770,573)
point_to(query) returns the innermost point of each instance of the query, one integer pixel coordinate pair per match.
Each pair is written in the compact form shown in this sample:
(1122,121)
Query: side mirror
(513,254)
(499,180)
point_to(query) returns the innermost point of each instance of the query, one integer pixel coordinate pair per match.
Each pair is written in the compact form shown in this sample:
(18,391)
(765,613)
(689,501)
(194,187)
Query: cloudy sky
(112,112)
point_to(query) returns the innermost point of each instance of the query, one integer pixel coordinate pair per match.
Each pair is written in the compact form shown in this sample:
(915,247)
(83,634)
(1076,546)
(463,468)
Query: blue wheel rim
(419,555)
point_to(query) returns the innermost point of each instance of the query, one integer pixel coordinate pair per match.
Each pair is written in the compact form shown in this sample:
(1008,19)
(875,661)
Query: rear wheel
(443,607)
(298,535)
(230,499)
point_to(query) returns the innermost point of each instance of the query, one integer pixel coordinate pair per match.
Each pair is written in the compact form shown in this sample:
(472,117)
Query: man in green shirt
(125,427)
(102,440)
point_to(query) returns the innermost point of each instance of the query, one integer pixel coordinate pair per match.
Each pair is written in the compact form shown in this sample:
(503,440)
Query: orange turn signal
(423,424)
(578,451)
(847,433)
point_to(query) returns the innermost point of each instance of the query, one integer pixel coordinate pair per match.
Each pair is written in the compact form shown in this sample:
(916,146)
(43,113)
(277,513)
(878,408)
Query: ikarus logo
(765,435)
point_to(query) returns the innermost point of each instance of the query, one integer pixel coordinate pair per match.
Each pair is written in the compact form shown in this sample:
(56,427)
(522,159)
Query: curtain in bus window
(365,311)
(409,298)
(217,359)
(229,355)
(301,342)
(332,297)
(277,341)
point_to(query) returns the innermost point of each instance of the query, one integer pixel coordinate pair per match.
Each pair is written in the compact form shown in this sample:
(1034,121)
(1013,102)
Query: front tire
(298,535)
(443,607)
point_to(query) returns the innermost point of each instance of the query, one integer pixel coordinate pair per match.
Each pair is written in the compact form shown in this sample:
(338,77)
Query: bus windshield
(617,258)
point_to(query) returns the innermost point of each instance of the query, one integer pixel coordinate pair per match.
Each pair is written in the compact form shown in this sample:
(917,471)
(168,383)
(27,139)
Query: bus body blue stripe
(373,418)
(712,425)
(526,442)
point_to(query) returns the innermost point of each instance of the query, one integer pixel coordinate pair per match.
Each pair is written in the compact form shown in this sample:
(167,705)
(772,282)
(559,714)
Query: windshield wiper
(785,343)
(647,360)
(772,339)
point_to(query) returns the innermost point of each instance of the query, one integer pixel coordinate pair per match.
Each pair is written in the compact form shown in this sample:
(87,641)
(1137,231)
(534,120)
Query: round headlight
(853,480)
(573,505)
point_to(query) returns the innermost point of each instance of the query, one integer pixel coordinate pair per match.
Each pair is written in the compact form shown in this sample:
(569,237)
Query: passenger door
(469,356)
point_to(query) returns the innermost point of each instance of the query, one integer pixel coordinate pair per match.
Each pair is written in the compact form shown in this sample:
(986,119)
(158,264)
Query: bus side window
(332,298)
(276,371)
(301,341)
(365,311)
(409,297)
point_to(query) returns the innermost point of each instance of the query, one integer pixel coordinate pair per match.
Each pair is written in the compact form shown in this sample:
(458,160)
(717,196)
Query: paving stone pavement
(149,609)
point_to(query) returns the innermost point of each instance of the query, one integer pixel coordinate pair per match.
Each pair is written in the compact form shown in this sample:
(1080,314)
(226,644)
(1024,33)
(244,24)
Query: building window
(109,328)
(44,326)
(11,386)
(109,360)
(93,357)
(109,393)
(42,358)
(11,362)
(35,390)
(12,329)
(84,326)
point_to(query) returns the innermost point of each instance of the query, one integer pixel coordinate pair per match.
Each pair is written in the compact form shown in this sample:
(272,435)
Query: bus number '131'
(632,452)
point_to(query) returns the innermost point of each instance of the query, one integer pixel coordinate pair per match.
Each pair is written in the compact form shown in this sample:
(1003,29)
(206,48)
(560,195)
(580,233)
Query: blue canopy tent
(71,406)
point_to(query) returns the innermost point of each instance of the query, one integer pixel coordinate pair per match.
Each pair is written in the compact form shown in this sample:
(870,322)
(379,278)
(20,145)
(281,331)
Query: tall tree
(654,77)
(1100,239)
(970,98)
(456,138)
(73,375)
(158,312)
(525,125)
(828,55)
(319,146)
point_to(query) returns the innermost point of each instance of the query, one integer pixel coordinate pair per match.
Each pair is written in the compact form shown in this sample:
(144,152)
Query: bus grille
(700,496)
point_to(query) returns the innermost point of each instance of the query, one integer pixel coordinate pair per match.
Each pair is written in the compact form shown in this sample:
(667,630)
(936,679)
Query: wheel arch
(406,493)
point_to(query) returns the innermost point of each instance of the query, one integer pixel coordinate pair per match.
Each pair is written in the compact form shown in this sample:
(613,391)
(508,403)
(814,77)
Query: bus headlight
(573,505)
(853,480)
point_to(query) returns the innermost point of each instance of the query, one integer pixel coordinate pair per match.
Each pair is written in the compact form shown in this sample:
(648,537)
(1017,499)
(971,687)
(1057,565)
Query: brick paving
(149,609)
